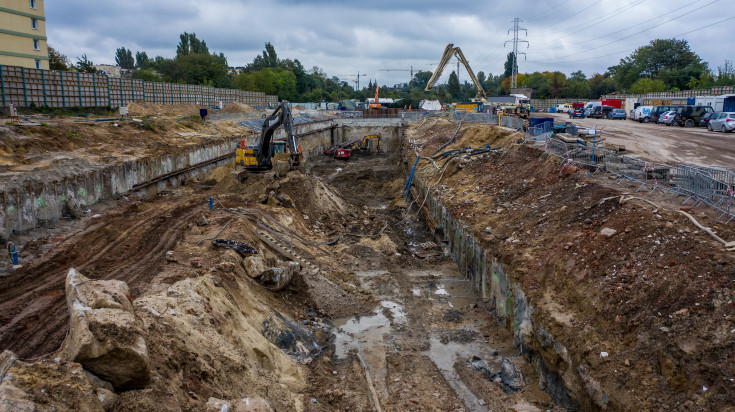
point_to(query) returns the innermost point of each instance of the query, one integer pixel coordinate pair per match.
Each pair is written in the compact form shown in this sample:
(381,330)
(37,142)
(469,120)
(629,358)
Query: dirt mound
(236,107)
(153,109)
(313,197)
(481,135)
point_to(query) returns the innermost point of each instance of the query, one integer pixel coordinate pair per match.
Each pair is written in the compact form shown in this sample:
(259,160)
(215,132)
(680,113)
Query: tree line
(661,65)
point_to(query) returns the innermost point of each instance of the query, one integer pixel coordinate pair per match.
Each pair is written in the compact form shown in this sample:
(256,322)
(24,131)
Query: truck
(616,103)
(563,108)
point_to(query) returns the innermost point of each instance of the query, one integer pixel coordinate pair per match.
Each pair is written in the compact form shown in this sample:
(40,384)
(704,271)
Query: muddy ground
(406,324)
(388,320)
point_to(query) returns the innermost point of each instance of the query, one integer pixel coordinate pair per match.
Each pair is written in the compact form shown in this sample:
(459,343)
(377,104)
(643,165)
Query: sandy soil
(660,143)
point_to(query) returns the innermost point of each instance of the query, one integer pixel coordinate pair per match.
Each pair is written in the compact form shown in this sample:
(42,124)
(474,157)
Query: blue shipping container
(728,105)
(537,121)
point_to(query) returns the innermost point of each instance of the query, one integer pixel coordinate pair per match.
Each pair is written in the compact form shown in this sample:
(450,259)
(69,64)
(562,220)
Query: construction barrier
(25,87)
(470,117)
(713,186)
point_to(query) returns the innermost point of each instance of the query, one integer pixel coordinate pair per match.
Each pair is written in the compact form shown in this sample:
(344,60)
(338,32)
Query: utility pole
(516,29)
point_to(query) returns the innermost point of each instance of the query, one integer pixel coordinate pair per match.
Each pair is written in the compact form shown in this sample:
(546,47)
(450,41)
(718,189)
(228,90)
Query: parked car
(657,111)
(667,118)
(704,120)
(599,112)
(618,114)
(723,121)
(563,108)
(689,115)
(578,112)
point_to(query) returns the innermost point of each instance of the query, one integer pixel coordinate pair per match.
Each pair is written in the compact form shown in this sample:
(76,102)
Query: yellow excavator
(262,156)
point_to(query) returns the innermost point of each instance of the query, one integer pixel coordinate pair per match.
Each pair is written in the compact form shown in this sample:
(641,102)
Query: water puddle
(367,331)
(444,355)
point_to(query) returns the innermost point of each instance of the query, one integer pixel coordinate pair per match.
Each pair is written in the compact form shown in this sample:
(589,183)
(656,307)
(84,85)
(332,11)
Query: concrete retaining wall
(560,377)
(30,201)
(34,203)
(391,131)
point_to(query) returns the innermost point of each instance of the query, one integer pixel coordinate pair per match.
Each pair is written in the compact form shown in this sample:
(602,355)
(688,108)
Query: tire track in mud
(129,247)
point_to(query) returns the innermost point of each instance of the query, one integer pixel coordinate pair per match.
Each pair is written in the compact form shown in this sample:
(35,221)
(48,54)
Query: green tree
(646,85)
(57,61)
(420,80)
(85,65)
(509,63)
(601,85)
(270,81)
(725,74)
(124,58)
(577,85)
(148,75)
(190,44)
(668,60)
(540,82)
(141,60)
(453,85)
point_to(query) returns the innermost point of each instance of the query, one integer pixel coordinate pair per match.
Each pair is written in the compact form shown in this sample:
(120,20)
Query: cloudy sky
(344,37)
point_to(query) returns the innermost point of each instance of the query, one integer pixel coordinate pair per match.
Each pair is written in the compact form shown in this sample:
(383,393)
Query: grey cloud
(343,36)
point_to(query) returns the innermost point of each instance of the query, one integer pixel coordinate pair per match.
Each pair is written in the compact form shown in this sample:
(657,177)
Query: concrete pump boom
(450,51)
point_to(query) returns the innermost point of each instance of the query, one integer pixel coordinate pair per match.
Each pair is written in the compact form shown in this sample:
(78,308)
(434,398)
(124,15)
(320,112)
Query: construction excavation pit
(456,268)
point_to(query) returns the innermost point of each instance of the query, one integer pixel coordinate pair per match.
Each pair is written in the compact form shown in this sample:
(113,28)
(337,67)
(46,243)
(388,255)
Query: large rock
(46,385)
(281,167)
(104,334)
(511,376)
(282,274)
(254,266)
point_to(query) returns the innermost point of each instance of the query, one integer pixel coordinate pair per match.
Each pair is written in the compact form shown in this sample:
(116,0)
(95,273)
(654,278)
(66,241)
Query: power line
(597,21)
(627,37)
(545,12)
(638,24)
(569,17)
(630,50)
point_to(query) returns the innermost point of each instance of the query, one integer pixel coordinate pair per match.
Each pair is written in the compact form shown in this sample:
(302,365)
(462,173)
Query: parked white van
(642,114)
(563,108)
(589,107)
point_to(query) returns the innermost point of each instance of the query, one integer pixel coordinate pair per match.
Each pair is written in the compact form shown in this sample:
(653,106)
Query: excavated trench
(426,318)
(432,338)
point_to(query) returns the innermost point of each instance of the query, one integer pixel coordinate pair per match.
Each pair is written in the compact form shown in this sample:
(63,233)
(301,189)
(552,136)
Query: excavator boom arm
(450,51)
(480,91)
(280,116)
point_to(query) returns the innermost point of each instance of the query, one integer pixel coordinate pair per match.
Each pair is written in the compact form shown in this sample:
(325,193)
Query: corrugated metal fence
(52,88)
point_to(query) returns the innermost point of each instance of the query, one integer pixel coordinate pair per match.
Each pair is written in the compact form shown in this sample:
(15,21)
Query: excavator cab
(260,158)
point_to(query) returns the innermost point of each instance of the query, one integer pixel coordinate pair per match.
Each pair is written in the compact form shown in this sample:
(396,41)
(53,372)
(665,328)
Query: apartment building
(23,34)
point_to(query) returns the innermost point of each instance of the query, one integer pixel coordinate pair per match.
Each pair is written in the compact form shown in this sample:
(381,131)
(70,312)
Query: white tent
(430,105)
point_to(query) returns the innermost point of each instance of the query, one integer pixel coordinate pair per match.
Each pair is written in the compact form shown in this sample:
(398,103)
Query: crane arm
(448,53)
(480,91)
